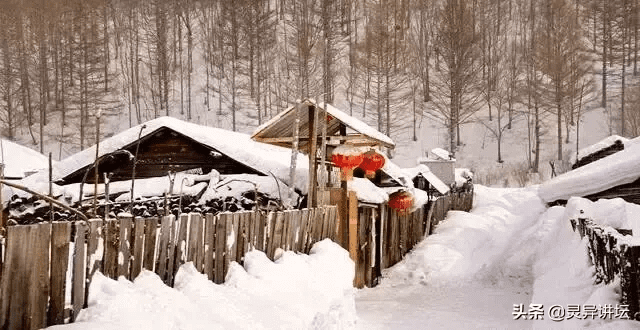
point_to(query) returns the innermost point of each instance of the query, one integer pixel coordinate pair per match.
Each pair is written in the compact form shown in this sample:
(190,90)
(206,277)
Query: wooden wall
(617,146)
(630,192)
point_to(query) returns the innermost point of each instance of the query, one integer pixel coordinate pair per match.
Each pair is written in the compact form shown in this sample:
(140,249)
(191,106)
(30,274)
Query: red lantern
(347,158)
(371,162)
(401,201)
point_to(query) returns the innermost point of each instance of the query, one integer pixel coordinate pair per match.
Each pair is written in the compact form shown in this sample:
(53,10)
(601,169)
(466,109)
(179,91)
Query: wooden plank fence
(385,236)
(613,256)
(35,263)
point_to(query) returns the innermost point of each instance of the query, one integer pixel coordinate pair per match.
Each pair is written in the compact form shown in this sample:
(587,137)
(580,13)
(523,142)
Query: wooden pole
(135,161)
(323,155)
(107,199)
(96,177)
(313,140)
(344,212)
(294,152)
(353,226)
(50,188)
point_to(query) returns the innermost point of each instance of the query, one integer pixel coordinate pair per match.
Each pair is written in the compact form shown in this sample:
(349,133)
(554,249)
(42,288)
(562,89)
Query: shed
(441,163)
(426,180)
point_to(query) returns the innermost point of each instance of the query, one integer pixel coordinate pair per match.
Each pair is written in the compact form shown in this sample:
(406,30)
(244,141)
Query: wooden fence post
(124,252)
(137,247)
(111,246)
(382,211)
(195,241)
(78,279)
(24,286)
(277,234)
(209,248)
(163,247)
(60,237)
(220,250)
(149,258)
(94,257)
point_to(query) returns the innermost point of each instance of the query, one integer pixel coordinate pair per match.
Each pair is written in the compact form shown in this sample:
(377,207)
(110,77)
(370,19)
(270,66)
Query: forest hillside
(500,83)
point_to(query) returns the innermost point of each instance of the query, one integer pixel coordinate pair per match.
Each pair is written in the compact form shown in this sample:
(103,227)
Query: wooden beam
(359,138)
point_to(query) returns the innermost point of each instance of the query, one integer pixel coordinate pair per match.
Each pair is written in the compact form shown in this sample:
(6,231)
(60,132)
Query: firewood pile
(33,210)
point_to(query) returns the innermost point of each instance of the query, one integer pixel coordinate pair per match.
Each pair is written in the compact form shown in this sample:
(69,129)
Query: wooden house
(168,144)
(613,176)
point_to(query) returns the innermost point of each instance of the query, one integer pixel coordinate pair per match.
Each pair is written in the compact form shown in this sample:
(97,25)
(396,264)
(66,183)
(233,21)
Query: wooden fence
(613,255)
(34,270)
(386,236)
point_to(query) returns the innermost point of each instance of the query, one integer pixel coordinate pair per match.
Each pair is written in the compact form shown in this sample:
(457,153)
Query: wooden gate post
(353,225)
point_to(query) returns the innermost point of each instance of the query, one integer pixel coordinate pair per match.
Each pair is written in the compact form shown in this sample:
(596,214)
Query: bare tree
(455,93)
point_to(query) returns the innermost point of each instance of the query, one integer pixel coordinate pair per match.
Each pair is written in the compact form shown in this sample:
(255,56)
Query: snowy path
(468,274)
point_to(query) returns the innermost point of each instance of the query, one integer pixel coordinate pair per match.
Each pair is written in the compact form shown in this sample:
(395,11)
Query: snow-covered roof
(279,129)
(366,191)
(397,173)
(262,157)
(356,124)
(424,170)
(441,154)
(19,160)
(600,145)
(620,168)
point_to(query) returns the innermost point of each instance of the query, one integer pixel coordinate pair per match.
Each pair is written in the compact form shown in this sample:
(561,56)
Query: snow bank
(467,245)
(462,176)
(564,276)
(296,291)
(616,213)
(614,170)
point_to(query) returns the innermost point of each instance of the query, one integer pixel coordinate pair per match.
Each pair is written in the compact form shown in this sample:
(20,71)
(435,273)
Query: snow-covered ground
(473,272)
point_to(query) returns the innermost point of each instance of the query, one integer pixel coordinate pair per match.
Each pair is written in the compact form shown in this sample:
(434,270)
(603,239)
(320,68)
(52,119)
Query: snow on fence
(40,260)
(613,255)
